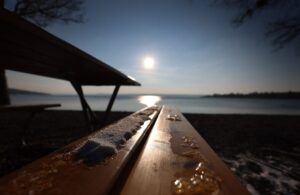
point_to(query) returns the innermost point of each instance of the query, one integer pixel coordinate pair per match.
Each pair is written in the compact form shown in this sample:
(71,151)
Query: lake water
(186,104)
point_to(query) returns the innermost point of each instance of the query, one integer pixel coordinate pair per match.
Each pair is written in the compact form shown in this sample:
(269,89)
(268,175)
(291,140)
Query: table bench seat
(165,156)
(30,108)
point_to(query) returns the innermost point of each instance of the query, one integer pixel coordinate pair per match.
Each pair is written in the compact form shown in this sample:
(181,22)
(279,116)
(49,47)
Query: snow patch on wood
(106,142)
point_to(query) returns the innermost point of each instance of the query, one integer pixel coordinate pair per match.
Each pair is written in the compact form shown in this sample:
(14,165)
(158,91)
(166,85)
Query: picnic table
(165,156)
(28,48)
(152,151)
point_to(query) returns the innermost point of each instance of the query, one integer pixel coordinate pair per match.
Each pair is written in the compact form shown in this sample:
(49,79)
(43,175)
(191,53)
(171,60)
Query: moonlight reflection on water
(149,100)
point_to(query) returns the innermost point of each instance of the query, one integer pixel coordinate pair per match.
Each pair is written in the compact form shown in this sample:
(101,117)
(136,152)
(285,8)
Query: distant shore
(249,144)
(263,95)
(268,95)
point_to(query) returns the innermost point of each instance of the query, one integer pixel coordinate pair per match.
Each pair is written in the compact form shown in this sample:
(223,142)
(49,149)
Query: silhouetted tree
(42,13)
(284,24)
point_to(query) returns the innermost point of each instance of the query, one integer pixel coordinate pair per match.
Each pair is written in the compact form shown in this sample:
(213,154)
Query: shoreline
(262,150)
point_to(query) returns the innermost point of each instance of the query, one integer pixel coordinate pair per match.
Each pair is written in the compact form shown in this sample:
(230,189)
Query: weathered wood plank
(26,47)
(169,160)
(60,173)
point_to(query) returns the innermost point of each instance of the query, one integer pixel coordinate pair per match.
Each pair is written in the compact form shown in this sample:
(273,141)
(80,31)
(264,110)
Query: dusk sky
(195,49)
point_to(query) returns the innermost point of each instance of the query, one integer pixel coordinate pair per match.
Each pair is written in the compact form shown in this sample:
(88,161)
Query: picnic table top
(28,48)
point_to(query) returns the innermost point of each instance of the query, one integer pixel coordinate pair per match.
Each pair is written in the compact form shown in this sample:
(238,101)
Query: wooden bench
(173,154)
(27,108)
(32,110)
(165,156)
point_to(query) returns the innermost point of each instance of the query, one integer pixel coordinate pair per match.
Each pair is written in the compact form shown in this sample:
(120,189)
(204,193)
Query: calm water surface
(187,104)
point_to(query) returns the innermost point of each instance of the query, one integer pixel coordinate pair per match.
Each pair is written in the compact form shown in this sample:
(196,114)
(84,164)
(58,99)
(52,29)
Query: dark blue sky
(195,47)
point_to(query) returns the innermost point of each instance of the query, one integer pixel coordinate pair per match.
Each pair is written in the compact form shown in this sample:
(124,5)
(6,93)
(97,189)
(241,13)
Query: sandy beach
(263,150)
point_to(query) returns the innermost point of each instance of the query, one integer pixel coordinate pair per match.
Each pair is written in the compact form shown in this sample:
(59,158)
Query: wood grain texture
(161,161)
(146,165)
(58,173)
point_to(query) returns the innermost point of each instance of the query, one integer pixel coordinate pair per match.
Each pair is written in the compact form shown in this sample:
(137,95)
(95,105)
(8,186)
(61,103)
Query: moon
(148,62)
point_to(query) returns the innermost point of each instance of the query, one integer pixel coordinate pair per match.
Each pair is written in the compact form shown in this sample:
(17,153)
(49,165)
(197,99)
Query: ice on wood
(106,142)
(95,149)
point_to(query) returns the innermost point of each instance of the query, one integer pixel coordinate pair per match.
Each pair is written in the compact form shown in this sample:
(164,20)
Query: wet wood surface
(172,153)
(166,156)
(58,173)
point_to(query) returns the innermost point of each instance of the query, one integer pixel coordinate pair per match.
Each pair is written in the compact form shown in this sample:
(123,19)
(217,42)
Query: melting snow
(107,141)
(263,176)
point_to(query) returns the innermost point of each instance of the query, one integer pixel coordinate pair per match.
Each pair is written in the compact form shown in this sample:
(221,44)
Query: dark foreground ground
(263,150)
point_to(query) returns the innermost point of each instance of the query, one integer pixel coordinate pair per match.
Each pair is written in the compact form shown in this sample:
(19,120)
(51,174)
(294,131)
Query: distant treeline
(273,95)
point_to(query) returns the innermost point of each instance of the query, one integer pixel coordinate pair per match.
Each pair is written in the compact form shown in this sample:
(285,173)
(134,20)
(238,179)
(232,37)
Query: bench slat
(167,156)
(59,173)
(145,165)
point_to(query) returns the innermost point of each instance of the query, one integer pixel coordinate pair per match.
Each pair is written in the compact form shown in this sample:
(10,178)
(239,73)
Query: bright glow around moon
(148,63)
